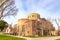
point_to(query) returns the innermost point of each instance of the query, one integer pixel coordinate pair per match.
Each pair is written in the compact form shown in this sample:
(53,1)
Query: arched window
(32,15)
(23,28)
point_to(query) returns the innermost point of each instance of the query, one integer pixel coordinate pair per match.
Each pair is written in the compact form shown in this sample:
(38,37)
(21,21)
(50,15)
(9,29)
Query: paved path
(44,38)
(41,38)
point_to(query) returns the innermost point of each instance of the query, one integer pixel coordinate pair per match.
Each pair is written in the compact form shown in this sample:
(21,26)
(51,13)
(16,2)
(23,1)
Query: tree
(58,22)
(46,29)
(2,24)
(7,8)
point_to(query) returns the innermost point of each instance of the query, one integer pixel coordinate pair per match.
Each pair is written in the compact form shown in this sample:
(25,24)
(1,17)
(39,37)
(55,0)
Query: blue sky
(46,8)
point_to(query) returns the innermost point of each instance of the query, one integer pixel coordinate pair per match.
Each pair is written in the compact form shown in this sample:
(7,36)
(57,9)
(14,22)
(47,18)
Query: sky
(46,9)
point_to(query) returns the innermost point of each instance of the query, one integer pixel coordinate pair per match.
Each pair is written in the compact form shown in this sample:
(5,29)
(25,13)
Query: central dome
(33,16)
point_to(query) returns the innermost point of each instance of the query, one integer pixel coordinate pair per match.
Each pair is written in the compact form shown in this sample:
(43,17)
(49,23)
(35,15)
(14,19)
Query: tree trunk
(1,12)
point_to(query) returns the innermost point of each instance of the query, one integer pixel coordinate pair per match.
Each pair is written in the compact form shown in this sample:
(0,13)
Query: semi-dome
(33,16)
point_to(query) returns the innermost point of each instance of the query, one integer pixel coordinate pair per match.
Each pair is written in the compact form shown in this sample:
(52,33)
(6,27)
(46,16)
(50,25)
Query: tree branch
(11,3)
(11,10)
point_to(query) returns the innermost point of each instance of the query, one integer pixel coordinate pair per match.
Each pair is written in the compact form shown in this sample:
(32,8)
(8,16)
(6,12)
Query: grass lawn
(38,36)
(58,39)
(4,37)
(35,36)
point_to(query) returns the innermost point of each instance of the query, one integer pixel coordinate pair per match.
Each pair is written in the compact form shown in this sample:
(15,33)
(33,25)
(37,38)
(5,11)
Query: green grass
(58,39)
(36,36)
(5,37)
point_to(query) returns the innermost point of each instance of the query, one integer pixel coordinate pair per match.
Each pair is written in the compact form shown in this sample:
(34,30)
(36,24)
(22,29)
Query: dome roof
(33,16)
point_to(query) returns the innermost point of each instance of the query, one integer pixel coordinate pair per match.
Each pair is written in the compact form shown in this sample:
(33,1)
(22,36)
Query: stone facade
(54,33)
(8,29)
(34,25)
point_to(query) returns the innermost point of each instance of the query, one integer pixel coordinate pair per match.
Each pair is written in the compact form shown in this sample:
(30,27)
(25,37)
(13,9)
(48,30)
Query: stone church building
(33,25)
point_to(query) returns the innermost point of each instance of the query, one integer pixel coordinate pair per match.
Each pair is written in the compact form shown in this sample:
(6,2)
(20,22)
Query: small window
(38,28)
(32,15)
(23,28)
(28,31)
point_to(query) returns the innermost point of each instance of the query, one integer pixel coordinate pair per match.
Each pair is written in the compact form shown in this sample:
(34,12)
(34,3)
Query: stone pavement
(44,38)
(41,38)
